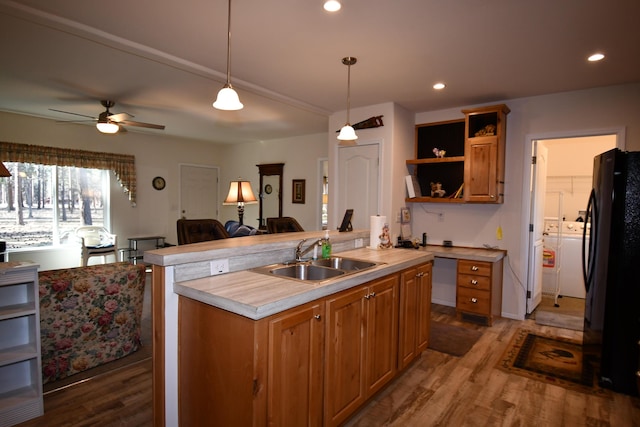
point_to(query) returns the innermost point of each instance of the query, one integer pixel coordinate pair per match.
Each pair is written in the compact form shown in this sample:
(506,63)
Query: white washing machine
(566,243)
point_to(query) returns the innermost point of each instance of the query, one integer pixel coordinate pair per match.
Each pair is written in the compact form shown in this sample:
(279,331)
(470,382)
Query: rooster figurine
(439,153)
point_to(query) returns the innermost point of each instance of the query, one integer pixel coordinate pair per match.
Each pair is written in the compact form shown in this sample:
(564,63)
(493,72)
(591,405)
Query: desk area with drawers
(478,280)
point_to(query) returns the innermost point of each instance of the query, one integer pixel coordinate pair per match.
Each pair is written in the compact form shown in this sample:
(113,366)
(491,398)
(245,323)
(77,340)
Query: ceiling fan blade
(120,117)
(140,124)
(75,114)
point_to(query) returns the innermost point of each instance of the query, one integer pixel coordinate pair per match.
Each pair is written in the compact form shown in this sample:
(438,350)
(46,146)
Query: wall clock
(158,183)
(268,189)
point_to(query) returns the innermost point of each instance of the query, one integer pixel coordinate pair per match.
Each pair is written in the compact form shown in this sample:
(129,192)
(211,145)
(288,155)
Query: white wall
(300,157)
(539,117)
(396,138)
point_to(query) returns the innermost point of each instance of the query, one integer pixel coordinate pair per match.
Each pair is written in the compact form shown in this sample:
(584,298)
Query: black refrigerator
(611,268)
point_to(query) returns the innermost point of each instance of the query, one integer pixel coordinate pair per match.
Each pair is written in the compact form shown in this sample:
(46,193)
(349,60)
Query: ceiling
(164,61)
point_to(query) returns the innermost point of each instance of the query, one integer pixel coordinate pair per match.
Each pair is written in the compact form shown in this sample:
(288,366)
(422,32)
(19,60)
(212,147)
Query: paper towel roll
(379,237)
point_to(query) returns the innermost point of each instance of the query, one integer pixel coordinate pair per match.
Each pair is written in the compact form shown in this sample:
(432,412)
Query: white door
(536,225)
(198,192)
(358,183)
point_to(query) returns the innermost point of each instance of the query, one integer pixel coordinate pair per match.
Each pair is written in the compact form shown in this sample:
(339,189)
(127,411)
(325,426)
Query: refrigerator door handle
(588,258)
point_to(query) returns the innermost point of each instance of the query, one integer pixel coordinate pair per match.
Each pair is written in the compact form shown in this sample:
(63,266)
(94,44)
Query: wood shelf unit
(474,158)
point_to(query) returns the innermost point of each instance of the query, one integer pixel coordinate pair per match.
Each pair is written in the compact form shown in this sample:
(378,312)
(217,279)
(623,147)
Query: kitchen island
(243,348)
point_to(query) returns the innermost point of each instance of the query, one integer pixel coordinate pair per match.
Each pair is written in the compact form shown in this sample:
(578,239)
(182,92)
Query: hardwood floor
(437,390)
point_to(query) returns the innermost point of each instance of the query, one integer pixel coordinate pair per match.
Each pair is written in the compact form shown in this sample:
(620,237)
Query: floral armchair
(89,316)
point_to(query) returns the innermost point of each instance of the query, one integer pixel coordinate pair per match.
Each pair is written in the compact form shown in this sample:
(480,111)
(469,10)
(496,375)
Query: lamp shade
(347,133)
(240,192)
(228,99)
(4,172)
(107,127)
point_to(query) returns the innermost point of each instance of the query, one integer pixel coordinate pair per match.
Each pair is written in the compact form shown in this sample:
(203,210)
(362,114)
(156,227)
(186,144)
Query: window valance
(124,166)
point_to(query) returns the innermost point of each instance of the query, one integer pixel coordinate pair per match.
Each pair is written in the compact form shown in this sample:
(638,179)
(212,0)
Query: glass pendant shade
(107,127)
(228,99)
(347,133)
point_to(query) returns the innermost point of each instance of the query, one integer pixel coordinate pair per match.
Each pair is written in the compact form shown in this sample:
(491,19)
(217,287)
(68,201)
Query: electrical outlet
(219,266)
(358,243)
(398,218)
(440,217)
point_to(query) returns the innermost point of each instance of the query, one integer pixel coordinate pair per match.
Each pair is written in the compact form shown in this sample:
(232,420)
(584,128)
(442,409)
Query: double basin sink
(317,270)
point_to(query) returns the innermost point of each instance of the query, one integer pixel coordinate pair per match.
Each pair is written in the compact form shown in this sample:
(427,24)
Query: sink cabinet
(361,346)
(294,382)
(312,365)
(415,313)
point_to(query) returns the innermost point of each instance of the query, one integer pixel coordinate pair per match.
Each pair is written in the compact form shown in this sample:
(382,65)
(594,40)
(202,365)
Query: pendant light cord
(348,93)
(229,45)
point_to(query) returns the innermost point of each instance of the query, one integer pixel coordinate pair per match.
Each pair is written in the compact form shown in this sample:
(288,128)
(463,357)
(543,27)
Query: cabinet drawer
(474,281)
(478,268)
(474,301)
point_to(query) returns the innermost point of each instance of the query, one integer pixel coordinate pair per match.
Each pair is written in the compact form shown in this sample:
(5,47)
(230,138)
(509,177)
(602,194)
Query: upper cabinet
(462,161)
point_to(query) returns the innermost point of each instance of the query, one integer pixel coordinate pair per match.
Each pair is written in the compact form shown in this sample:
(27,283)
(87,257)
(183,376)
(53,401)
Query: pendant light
(347,133)
(228,97)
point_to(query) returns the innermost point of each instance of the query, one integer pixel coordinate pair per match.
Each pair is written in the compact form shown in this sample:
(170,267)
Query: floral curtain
(124,166)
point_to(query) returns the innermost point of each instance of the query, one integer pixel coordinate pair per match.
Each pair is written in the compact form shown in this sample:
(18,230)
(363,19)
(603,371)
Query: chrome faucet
(300,253)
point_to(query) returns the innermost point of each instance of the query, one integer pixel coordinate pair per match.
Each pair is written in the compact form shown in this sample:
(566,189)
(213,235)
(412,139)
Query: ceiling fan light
(347,133)
(107,127)
(228,99)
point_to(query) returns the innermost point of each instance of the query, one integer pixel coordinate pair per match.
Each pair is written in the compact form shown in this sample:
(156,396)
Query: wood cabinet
(311,365)
(479,290)
(20,360)
(474,159)
(361,346)
(296,356)
(414,313)
(485,130)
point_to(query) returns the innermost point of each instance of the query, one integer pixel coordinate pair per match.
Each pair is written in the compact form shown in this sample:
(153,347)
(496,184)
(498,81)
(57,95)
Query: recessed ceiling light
(332,5)
(596,57)
(439,86)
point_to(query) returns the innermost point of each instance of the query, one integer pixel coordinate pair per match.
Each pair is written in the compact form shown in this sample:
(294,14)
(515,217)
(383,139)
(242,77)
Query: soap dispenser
(326,246)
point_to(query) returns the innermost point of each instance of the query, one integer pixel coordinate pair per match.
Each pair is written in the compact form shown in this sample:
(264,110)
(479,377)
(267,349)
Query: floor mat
(552,360)
(452,339)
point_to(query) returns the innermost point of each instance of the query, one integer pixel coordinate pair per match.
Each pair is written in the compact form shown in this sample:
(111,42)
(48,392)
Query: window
(42,205)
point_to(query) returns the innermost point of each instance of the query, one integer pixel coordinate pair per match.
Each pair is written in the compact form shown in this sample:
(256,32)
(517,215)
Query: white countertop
(256,295)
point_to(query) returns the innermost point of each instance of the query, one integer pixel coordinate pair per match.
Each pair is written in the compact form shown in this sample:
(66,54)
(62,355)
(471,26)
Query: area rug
(553,360)
(452,339)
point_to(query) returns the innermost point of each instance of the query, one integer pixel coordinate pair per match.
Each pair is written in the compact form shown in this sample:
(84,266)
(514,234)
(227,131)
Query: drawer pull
(317,317)
(474,282)
(421,274)
(474,300)
(475,268)
(373,294)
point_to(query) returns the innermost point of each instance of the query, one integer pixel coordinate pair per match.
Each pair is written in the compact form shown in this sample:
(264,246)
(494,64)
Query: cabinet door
(344,355)
(423,327)
(381,330)
(408,316)
(480,170)
(296,343)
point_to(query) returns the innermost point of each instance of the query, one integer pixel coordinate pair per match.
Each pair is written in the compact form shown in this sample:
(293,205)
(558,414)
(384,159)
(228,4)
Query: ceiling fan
(107,122)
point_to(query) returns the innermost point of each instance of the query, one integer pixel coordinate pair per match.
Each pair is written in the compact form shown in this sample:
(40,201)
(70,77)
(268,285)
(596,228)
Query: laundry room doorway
(560,198)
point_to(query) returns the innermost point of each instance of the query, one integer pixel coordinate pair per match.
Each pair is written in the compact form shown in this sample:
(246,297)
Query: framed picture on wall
(298,191)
